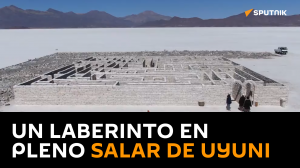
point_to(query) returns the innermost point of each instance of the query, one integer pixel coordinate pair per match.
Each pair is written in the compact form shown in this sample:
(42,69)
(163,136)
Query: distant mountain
(146,16)
(239,20)
(18,27)
(12,17)
(174,22)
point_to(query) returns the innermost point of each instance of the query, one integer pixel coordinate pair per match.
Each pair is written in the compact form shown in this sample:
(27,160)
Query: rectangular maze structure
(150,80)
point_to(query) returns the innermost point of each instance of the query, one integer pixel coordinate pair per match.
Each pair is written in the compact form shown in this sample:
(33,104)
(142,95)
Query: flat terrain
(234,108)
(20,45)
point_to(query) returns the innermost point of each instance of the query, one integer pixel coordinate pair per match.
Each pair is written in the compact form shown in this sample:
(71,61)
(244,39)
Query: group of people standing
(244,103)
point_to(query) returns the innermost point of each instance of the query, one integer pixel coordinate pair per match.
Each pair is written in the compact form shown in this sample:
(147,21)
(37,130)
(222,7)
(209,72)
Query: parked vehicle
(281,50)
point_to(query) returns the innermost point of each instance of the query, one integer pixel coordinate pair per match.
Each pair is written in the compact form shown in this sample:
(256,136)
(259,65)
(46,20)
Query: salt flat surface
(234,108)
(20,45)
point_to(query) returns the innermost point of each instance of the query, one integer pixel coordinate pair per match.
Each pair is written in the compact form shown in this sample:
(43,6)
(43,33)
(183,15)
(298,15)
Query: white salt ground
(20,45)
(234,108)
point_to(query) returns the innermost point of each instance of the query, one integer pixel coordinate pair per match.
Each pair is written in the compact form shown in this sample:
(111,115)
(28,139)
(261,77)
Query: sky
(205,9)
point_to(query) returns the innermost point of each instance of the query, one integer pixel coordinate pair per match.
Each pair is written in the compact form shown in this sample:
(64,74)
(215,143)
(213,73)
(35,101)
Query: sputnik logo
(266,12)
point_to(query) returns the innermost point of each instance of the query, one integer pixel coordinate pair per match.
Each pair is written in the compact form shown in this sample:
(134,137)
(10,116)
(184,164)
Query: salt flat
(20,45)
(106,108)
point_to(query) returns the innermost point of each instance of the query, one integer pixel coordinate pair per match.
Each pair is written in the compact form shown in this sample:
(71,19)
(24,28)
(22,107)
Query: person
(241,103)
(228,102)
(247,105)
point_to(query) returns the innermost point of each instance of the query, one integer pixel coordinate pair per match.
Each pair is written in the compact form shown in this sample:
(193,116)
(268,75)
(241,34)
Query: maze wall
(148,80)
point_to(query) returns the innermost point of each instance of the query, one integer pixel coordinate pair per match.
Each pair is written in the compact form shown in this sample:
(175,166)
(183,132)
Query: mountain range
(12,17)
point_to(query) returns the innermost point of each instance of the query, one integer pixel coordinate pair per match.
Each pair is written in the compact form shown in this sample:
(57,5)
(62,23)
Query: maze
(150,80)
